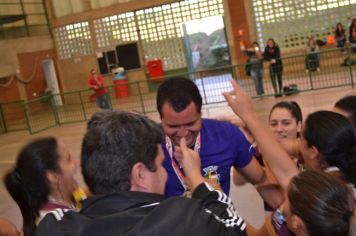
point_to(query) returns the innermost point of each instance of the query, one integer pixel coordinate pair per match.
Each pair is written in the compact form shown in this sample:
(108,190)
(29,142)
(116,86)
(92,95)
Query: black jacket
(273,53)
(138,213)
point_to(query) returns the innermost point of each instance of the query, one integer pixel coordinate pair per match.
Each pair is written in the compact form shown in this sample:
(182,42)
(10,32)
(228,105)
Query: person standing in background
(346,106)
(255,66)
(273,55)
(96,82)
(312,58)
(352,35)
(340,36)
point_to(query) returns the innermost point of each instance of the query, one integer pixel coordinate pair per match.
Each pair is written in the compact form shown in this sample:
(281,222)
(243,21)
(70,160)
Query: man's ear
(138,177)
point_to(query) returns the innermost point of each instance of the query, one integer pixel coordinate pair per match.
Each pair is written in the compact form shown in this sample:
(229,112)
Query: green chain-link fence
(336,68)
(13,116)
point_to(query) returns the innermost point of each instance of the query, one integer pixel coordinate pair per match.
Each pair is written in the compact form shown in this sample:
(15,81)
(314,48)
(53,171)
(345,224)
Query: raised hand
(276,157)
(239,101)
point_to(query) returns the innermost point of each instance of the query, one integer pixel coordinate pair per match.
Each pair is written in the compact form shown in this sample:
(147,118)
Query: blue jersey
(223,145)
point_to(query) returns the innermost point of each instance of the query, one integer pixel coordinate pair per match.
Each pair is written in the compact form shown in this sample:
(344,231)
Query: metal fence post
(141,97)
(24,107)
(202,85)
(109,97)
(82,104)
(54,109)
(308,65)
(25,20)
(2,119)
(310,79)
(349,52)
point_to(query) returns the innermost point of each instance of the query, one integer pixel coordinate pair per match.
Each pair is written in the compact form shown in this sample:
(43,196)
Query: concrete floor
(246,199)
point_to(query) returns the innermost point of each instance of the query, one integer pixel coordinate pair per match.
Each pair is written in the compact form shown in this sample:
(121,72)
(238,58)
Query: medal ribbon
(177,169)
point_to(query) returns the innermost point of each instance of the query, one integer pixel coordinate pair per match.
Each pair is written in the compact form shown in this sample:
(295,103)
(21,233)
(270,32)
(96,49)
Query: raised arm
(276,157)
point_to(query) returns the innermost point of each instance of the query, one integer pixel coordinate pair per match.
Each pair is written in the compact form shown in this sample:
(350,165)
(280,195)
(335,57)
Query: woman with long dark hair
(272,54)
(328,143)
(42,180)
(340,35)
(352,35)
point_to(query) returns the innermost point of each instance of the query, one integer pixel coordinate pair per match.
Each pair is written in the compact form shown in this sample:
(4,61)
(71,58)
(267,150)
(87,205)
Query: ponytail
(23,199)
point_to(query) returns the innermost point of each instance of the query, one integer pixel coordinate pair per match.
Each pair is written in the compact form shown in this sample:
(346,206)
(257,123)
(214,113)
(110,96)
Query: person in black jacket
(272,54)
(121,162)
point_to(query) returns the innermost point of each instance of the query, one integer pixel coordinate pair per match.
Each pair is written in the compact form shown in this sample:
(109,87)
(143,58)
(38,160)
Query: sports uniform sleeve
(48,227)
(224,219)
(50,224)
(243,149)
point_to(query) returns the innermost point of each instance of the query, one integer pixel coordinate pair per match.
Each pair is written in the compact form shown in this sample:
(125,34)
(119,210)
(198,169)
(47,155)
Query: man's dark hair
(179,92)
(348,104)
(114,142)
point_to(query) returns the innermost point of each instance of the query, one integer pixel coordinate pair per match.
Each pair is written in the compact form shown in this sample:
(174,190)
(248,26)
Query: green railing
(3,128)
(13,116)
(40,114)
(336,69)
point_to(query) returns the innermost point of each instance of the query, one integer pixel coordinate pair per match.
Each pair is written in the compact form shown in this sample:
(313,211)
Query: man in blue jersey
(221,145)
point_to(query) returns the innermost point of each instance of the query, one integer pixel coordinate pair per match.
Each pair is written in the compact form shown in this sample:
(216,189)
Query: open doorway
(205,43)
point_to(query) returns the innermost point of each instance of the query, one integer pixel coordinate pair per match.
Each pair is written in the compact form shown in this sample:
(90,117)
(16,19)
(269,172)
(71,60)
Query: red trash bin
(122,88)
(155,70)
